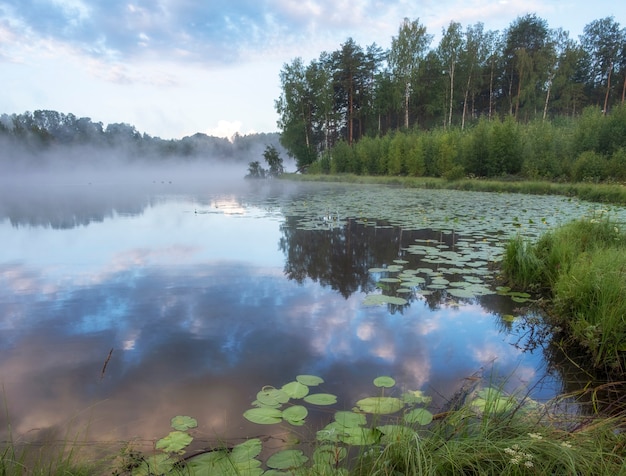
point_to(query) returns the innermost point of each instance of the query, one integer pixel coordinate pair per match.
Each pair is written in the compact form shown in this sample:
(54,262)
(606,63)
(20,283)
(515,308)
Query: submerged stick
(104,367)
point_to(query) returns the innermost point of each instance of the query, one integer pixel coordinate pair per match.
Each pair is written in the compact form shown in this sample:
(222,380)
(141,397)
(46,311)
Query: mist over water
(207,288)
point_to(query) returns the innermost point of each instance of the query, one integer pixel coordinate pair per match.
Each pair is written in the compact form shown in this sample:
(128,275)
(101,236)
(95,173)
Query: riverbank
(601,193)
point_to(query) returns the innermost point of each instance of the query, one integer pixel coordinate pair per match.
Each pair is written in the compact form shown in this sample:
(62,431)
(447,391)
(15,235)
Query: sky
(173,68)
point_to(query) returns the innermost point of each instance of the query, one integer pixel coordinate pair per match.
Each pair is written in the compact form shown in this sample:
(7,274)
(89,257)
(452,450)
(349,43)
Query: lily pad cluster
(270,401)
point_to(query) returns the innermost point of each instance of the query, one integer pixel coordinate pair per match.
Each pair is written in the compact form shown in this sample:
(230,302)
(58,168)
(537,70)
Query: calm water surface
(197,296)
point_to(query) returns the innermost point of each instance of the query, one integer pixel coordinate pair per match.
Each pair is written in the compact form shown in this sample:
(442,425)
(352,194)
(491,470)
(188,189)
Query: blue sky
(176,67)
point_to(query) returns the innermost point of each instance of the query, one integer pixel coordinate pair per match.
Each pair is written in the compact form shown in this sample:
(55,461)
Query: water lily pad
(378,299)
(247,450)
(384,381)
(357,436)
(420,416)
(346,419)
(380,405)
(321,399)
(155,464)
(309,380)
(271,396)
(416,396)
(461,293)
(175,442)
(183,423)
(295,389)
(287,459)
(264,416)
(295,415)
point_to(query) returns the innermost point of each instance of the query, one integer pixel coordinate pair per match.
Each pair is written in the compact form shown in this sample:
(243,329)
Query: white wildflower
(528,463)
(566,444)
(535,436)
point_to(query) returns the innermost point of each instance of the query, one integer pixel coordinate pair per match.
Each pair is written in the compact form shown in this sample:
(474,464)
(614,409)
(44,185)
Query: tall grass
(512,440)
(582,267)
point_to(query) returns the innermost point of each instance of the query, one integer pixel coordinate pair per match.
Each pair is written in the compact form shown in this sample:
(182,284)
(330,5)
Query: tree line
(44,131)
(475,81)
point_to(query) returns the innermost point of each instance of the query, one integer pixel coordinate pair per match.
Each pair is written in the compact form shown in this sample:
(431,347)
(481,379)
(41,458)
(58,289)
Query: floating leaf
(377,299)
(222,463)
(357,436)
(380,405)
(155,464)
(183,423)
(419,415)
(295,390)
(461,293)
(384,381)
(175,442)
(416,396)
(287,459)
(508,317)
(264,416)
(321,399)
(348,419)
(295,415)
(309,380)
(271,396)
(247,450)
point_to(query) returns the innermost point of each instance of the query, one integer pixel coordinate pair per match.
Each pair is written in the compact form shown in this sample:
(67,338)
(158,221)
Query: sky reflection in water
(191,295)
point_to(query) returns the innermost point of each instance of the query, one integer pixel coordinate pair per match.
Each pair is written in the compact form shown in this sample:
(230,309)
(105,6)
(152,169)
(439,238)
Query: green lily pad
(357,436)
(183,423)
(247,450)
(295,415)
(321,399)
(155,464)
(264,416)
(287,459)
(378,299)
(420,416)
(309,380)
(348,419)
(416,396)
(175,442)
(271,396)
(380,405)
(384,381)
(295,389)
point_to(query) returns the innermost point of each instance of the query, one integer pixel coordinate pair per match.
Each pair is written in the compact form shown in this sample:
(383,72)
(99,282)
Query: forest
(528,101)
(32,135)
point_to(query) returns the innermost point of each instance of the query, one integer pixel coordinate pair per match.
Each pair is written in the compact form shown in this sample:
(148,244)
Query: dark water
(197,296)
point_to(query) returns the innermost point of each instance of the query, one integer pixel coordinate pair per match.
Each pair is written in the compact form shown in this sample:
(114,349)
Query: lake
(128,299)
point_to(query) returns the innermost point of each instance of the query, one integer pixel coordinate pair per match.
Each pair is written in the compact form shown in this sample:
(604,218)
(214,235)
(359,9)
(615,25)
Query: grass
(517,438)
(581,266)
(601,193)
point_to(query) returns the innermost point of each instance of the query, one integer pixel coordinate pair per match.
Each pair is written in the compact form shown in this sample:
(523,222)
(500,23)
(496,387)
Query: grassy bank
(602,193)
(581,267)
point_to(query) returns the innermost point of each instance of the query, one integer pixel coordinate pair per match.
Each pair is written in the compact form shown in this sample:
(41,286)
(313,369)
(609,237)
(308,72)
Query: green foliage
(589,166)
(274,161)
(583,265)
